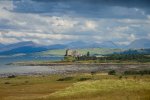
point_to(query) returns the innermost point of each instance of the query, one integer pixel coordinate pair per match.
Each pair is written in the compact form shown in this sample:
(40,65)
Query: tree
(88,54)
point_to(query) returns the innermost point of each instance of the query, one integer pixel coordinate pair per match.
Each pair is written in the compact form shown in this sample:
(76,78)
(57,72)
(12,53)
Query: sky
(49,22)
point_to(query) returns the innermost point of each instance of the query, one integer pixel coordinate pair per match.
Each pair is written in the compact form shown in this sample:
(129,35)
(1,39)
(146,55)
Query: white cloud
(58,29)
(90,25)
(132,37)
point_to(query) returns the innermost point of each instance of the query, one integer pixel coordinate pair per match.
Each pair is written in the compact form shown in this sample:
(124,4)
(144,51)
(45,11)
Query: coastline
(72,63)
(6,75)
(70,68)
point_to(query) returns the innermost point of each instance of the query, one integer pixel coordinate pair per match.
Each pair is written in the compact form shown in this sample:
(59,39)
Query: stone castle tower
(73,53)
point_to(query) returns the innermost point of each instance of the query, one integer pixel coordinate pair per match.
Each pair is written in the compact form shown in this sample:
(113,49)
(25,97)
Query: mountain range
(1,45)
(140,43)
(31,47)
(21,47)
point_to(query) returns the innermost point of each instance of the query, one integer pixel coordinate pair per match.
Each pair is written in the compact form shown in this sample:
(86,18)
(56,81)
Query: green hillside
(93,51)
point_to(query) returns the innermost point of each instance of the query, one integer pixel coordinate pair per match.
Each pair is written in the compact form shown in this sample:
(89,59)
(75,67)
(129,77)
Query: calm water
(5,69)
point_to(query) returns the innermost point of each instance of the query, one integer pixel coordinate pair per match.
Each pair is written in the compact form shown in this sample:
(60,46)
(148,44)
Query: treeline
(113,57)
(142,72)
(136,51)
(131,72)
(131,57)
(126,57)
(119,57)
(86,58)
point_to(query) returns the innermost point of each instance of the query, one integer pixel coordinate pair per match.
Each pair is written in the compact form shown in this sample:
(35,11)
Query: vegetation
(129,57)
(11,76)
(95,55)
(141,72)
(112,72)
(113,58)
(76,87)
(65,79)
(93,51)
(69,59)
(104,90)
(88,54)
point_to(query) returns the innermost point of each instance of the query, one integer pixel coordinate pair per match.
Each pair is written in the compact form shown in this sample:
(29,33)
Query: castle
(72,53)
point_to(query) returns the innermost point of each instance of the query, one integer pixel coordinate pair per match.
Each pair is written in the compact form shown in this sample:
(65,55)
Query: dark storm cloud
(85,8)
(127,3)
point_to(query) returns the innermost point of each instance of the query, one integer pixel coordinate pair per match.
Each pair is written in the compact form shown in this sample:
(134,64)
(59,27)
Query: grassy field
(76,87)
(97,51)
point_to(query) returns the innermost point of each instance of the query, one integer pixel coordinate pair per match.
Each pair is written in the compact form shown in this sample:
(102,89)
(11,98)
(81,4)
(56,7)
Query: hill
(140,43)
(1,45)
(21,47)
(93,51)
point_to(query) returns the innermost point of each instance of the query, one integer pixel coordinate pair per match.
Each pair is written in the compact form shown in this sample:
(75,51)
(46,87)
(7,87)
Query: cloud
(132,3)
(64,21)
(90,25)
(85,8)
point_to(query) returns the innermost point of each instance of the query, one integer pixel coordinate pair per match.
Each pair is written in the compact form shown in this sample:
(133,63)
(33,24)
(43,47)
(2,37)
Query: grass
(76,87)
(97,51)
(98,87)
(29,87)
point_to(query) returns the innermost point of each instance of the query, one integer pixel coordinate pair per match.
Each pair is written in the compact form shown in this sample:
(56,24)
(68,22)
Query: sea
(5,68)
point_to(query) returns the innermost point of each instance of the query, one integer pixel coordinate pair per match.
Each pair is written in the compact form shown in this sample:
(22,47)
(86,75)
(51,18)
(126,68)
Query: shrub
(7,83)
(26,82)
(93,72)
(11,76)
(112,72)
(84,79)
(120,77)
(65,79)
(142,72)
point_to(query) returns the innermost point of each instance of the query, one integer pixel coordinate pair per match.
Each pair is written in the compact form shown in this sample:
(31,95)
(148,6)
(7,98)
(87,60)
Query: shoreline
(70,63)
(6,75)
(55,68)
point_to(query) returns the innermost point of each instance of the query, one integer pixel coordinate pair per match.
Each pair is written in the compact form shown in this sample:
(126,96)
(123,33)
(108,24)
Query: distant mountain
(31,47)
(57,46)
(135,51)
(140,43)
(78,44)
(21,47)
(81,44)
(1,45)
(17,45)
(26,47)
(105,44)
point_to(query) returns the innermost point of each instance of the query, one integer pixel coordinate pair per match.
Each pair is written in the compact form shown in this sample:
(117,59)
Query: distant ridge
(82,44)
(106,44)
(140,43)
(31,47)
(21,47)
(17,45)
(1,45)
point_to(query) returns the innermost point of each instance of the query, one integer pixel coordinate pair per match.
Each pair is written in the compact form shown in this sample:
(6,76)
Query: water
(5,69)
(10,59)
